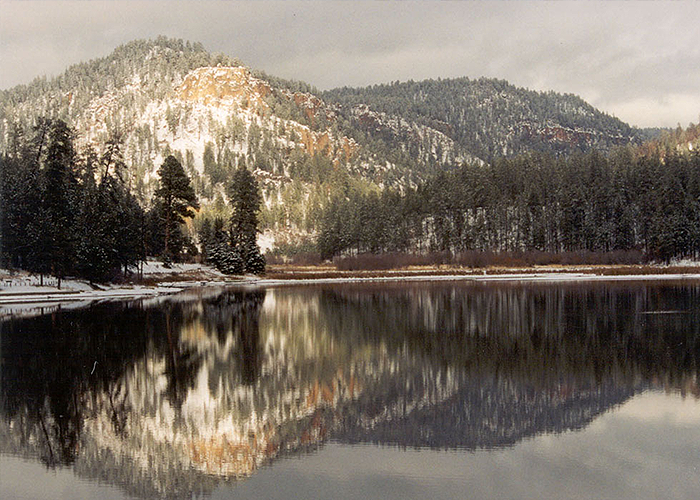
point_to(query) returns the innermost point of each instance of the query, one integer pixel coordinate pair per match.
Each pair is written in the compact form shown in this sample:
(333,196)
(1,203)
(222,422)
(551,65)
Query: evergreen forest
(73,213)
(594,203)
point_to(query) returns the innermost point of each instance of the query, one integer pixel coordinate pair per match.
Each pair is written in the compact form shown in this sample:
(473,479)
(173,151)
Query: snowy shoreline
(494,278)
(21,293)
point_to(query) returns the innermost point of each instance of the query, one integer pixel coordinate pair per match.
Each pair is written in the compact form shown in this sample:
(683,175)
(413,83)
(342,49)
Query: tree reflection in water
(211,387)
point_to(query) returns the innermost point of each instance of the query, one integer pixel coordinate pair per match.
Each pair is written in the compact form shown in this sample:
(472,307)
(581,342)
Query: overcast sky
(639,61)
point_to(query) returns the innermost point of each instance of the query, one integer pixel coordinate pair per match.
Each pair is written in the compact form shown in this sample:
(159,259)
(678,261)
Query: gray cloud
(637,60)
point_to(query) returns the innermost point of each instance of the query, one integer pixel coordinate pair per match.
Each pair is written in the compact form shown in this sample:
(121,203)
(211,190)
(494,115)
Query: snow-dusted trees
(110,221)
(234,249)
(216,248)
(52,238)
(65,214)
(177,201)
(586,203)
(19,205)
(245,202)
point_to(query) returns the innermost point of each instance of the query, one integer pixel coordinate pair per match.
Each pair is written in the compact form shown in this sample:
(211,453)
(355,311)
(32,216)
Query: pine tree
(53,244)
(109,221)
(229,259)
(92,255)
(20,205)
(245,202)
(178,199)
(204,235)
(154,228)
(218,250)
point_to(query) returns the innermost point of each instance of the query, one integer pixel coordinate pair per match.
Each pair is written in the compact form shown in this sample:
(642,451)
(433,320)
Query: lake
(387,391)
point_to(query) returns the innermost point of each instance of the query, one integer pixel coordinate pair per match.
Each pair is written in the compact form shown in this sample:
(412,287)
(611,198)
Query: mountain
(165,96)
(490,118)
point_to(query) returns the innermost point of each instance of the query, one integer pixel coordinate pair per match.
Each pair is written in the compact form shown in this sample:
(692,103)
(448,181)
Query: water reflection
(172,397)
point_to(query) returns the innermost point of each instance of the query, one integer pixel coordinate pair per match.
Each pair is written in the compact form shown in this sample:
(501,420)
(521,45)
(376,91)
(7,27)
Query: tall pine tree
(177,198)
(245,202)
(53,249)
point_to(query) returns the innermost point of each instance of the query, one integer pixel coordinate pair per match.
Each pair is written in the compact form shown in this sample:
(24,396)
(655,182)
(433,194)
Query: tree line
(69,213)
(533,202)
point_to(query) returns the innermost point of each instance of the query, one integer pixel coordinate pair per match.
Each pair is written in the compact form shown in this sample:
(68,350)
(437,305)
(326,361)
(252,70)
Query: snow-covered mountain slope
(169,97)
(163,97)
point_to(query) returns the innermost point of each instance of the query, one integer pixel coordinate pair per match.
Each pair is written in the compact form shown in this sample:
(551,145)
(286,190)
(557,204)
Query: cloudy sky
(639,61)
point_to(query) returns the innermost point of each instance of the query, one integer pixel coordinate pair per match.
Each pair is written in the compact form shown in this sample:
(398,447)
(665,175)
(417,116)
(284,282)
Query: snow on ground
(684,263)
(187,272)
(153,267)
(21,281)
(22,294)
(495,278)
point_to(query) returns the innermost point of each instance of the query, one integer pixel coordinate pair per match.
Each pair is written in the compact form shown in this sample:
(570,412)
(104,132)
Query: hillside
(491,118)
(164,96)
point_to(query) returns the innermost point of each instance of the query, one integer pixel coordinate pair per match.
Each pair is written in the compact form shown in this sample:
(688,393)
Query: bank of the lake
(21,292)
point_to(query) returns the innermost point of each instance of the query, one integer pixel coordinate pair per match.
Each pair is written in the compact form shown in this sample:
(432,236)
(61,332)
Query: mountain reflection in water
(166,398)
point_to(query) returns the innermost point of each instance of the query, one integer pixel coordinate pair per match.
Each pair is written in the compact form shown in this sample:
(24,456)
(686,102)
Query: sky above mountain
(639,61)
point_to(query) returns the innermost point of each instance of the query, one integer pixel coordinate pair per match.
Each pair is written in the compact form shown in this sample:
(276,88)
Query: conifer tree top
(175,188)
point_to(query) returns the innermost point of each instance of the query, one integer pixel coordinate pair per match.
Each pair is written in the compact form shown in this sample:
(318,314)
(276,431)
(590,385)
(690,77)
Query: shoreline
(22,296)
(492,278)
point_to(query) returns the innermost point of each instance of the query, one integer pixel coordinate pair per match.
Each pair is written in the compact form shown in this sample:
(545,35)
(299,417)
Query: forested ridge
(490,118)
(153,64)
(532,202)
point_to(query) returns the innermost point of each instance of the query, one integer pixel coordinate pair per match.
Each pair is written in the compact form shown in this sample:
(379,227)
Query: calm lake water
(404,391)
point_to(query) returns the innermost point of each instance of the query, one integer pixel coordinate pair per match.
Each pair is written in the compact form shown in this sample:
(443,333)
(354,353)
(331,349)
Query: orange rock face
(223,85)
(323,143)
(311,105)
(227,86)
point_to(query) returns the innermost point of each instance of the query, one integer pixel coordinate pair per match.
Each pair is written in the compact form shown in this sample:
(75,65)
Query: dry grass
(479,260)
(326,272)
(536,258)
(476,263)
(298,259)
